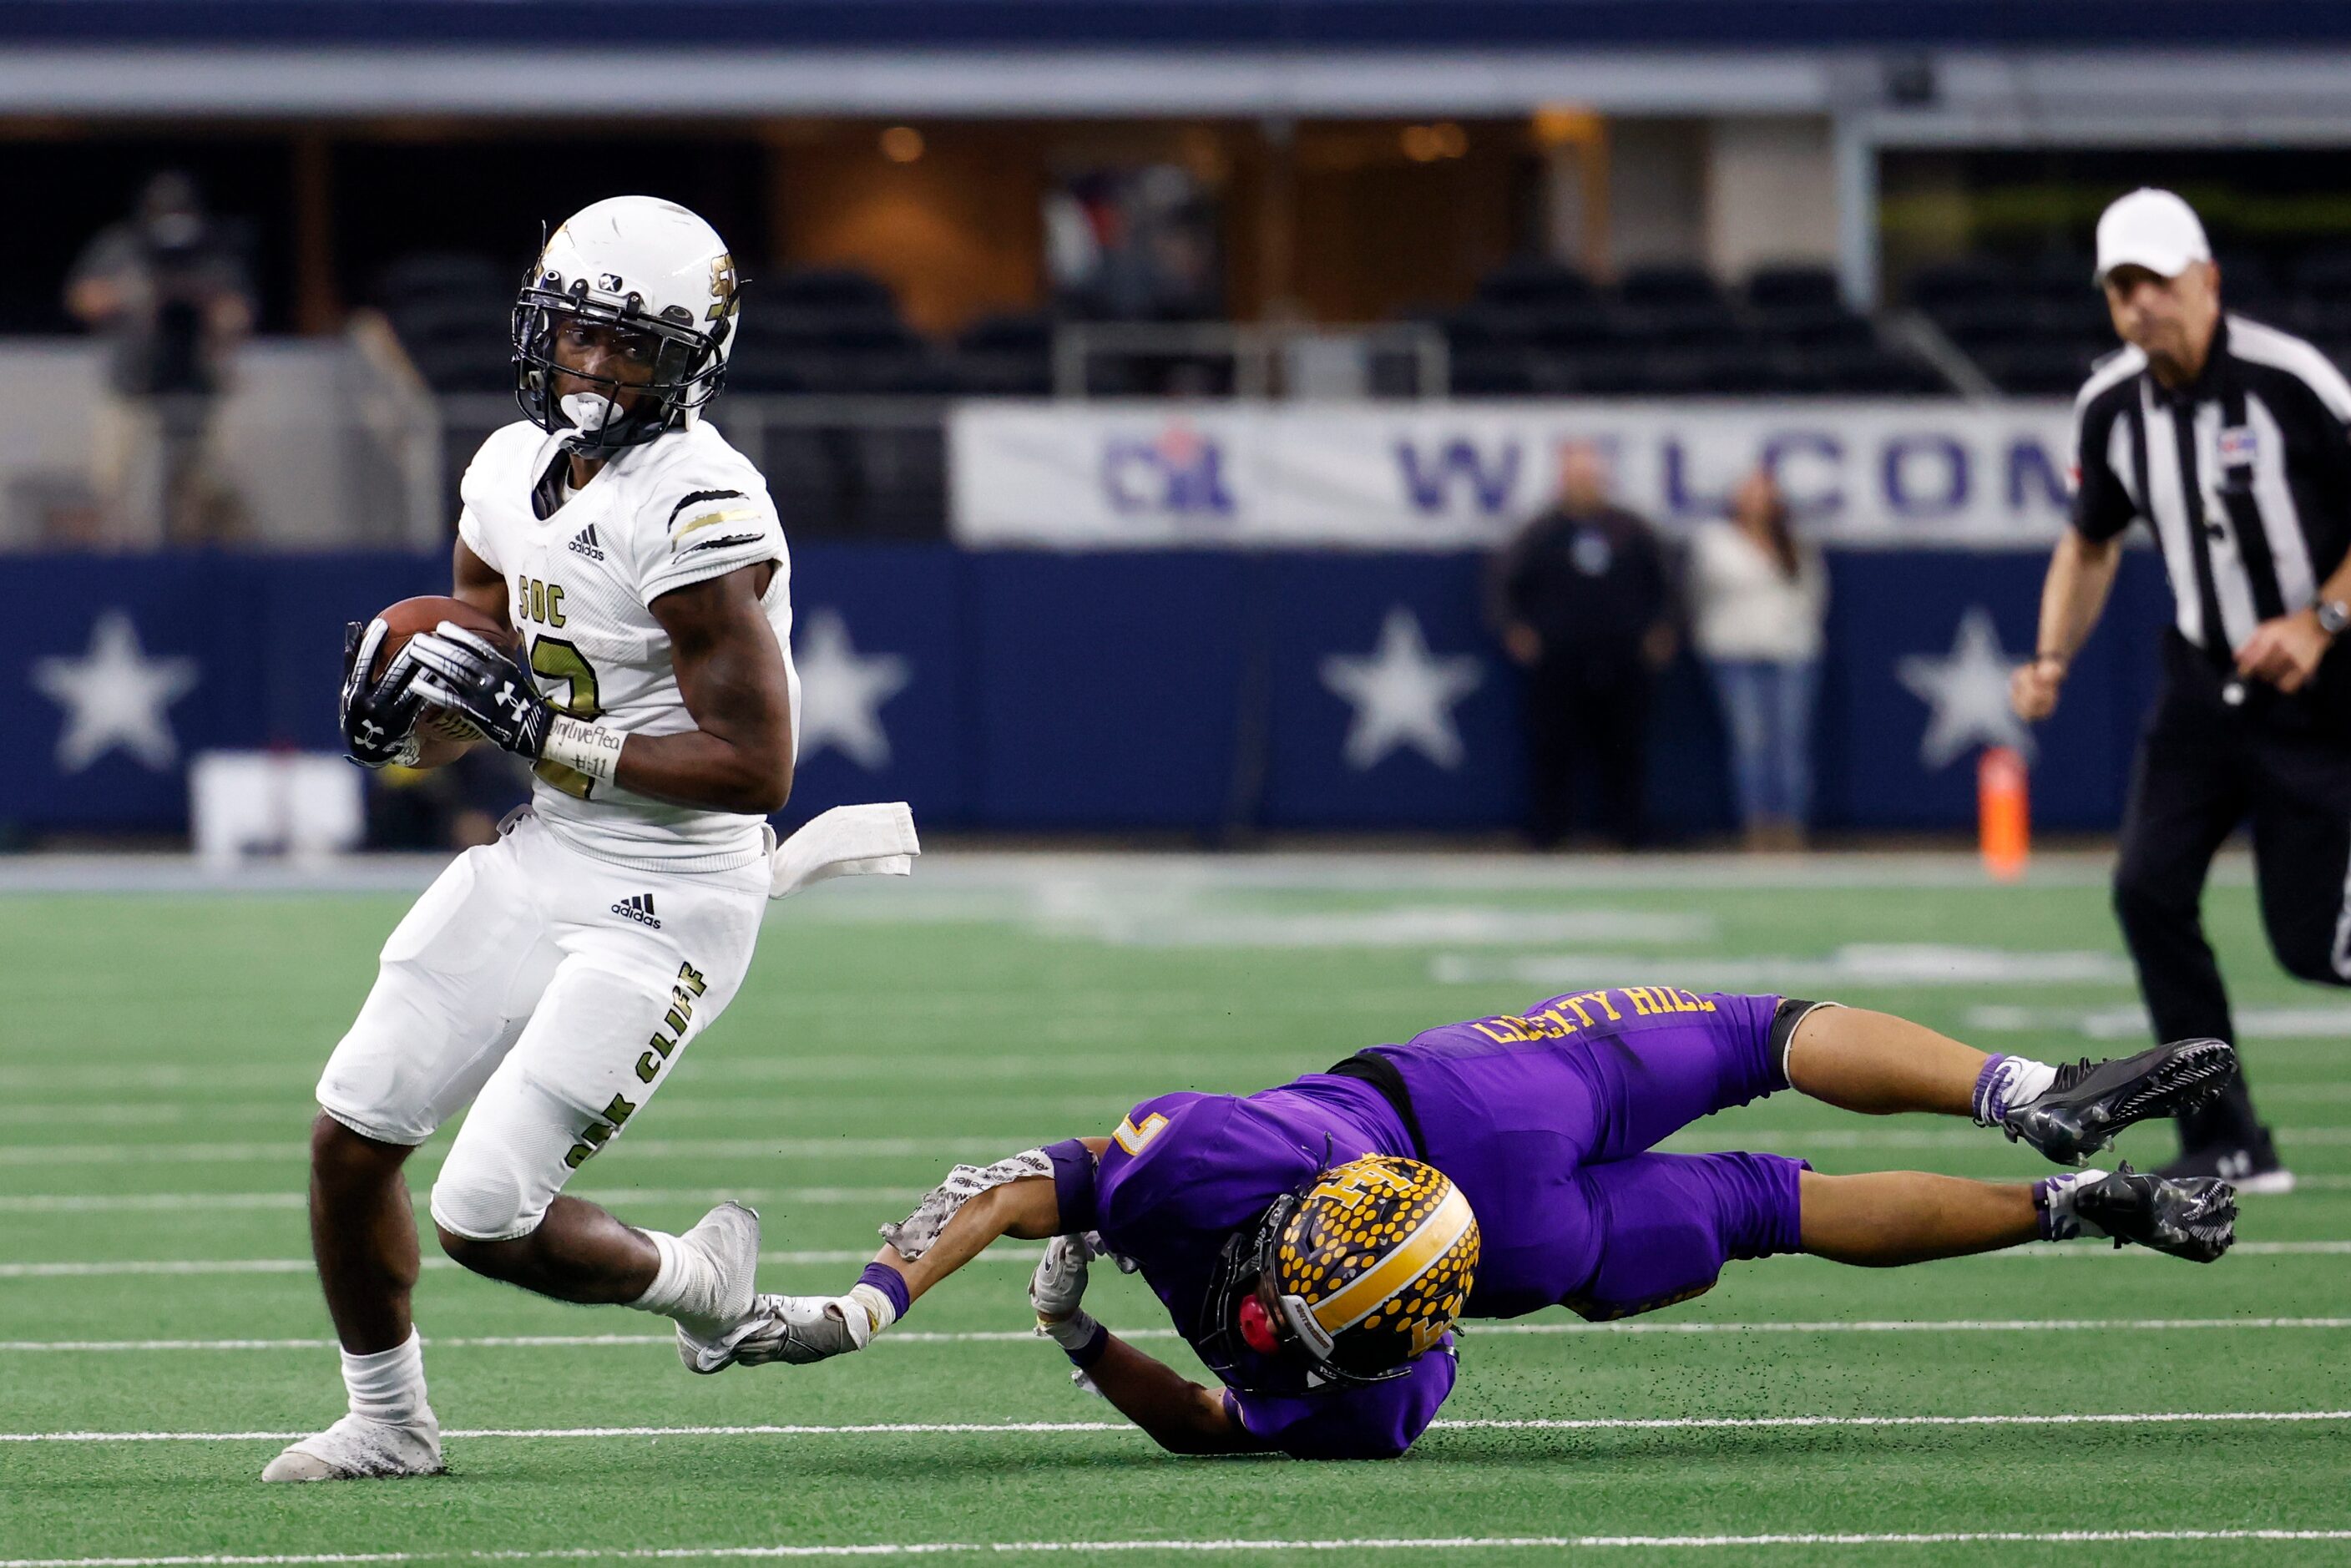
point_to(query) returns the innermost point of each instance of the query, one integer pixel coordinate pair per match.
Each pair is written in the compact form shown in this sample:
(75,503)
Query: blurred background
(1601,421)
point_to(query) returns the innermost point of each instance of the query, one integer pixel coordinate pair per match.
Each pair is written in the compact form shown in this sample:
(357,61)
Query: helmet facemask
(689,367)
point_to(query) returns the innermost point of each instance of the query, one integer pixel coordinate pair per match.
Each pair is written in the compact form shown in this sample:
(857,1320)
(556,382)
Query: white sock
(688,1282)
(2053,1197)
(2008,1082)
(388,1385)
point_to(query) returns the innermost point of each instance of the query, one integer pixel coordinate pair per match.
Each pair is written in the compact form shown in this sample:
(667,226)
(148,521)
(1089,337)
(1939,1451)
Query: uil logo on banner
(1178,473)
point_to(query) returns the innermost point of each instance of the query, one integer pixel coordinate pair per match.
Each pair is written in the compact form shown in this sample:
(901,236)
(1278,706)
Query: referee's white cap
(2153,229)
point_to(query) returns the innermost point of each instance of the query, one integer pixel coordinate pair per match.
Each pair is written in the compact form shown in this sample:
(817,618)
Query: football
(443,736)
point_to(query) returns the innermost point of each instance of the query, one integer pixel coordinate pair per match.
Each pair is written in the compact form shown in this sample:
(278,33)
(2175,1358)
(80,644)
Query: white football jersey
(680,509)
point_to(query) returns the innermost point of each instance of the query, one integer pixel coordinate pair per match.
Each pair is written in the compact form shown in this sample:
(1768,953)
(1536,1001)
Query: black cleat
(2252,1168)
(2195,1218)
(2091,1102)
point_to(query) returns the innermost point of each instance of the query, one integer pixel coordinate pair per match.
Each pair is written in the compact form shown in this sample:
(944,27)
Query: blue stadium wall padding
(1190,692)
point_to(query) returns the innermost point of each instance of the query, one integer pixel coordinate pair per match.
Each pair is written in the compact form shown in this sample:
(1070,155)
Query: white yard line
(1021,1255)
(184,1154)
(1293,1543)
(295,1201)
(175,1202)
(1480,1331)
(967,871)
(1586,1424)
(173,1153)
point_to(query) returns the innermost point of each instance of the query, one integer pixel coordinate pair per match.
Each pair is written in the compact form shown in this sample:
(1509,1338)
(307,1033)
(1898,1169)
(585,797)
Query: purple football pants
(1550,1140)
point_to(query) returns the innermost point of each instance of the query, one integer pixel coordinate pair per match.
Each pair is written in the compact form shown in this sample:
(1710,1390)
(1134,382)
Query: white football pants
(555,993)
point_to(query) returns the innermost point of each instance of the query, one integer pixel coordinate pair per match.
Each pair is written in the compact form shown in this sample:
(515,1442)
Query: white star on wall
(115,695)
(1967,693)
(1403,695)
(843,691)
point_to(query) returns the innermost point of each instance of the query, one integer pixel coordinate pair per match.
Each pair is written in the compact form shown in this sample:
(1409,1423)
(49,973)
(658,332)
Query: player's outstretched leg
(363,1235)
(1889,1217)
(1880,1065)
(1668,1223)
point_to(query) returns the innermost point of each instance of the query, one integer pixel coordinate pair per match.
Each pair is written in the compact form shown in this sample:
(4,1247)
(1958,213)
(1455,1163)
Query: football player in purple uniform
(1316,1242)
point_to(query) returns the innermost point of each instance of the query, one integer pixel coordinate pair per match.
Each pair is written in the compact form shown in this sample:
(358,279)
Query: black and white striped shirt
(2245,476)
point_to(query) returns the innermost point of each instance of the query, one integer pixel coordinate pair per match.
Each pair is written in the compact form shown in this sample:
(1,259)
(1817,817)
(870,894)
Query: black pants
(1587,707)
(2205,767)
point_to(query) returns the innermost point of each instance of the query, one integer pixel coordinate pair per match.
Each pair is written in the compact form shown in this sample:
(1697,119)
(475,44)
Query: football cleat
(795,1330)
(2080,1114)
(358,1448)
(2195,1218)
(728,1236)
(2253,1169)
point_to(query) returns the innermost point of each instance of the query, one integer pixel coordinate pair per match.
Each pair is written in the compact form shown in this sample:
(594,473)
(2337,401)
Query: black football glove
(379,718)
(471,676)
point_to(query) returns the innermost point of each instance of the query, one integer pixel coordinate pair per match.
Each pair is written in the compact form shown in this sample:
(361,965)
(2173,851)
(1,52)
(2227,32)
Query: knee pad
(483,1197)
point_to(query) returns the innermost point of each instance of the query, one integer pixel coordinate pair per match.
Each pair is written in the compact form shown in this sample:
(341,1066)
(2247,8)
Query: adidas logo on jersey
(639,907)
(585,544)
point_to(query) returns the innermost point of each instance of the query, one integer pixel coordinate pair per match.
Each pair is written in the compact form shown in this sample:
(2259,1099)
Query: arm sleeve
(1377,1421)
(2103,506)
(1073,1186)
(707,532)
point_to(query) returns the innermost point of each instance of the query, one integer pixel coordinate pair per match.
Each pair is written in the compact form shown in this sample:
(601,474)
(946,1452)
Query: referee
(2228,438)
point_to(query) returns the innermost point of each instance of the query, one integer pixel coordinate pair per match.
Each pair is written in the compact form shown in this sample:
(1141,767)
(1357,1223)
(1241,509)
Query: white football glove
(1058,1285)
(802,1330)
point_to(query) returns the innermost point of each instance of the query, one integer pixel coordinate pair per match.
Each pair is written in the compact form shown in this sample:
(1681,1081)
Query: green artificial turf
(159,1051)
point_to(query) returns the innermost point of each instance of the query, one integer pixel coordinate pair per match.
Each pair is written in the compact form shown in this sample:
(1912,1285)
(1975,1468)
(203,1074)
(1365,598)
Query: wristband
(864,1312)
(1081,1339)
(892,1285)
(583,747)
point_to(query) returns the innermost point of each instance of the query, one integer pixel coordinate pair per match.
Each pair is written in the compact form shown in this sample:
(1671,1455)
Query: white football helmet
(636,263)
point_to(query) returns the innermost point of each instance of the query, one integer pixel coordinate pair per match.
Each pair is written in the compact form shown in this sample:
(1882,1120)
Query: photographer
(169,292)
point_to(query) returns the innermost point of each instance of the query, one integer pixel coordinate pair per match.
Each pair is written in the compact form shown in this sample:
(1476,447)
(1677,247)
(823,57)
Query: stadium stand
(1539,328)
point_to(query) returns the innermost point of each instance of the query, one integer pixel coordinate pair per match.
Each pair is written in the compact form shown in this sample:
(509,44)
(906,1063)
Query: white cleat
(359,1447)
(728,1236)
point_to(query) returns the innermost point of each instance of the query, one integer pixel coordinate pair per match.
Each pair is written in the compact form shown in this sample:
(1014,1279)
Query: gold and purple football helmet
(1359,1272)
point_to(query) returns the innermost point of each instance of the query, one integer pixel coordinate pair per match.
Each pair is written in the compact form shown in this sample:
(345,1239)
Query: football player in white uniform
(551,979)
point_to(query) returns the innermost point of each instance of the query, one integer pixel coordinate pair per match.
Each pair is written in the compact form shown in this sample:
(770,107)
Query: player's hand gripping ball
(479,680)
(385,719)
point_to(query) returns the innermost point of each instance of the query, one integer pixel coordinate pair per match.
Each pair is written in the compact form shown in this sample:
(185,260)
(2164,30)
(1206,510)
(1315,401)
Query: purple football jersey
(1183,1173)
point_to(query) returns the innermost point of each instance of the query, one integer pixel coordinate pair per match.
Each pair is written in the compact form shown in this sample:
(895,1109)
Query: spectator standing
(1757,594)
(1581,599)
(168,291)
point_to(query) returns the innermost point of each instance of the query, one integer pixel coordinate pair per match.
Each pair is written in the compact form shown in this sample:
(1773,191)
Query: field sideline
(160,1333)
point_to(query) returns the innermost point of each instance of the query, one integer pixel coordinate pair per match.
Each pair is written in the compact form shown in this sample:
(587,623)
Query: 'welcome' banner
(1449,475)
